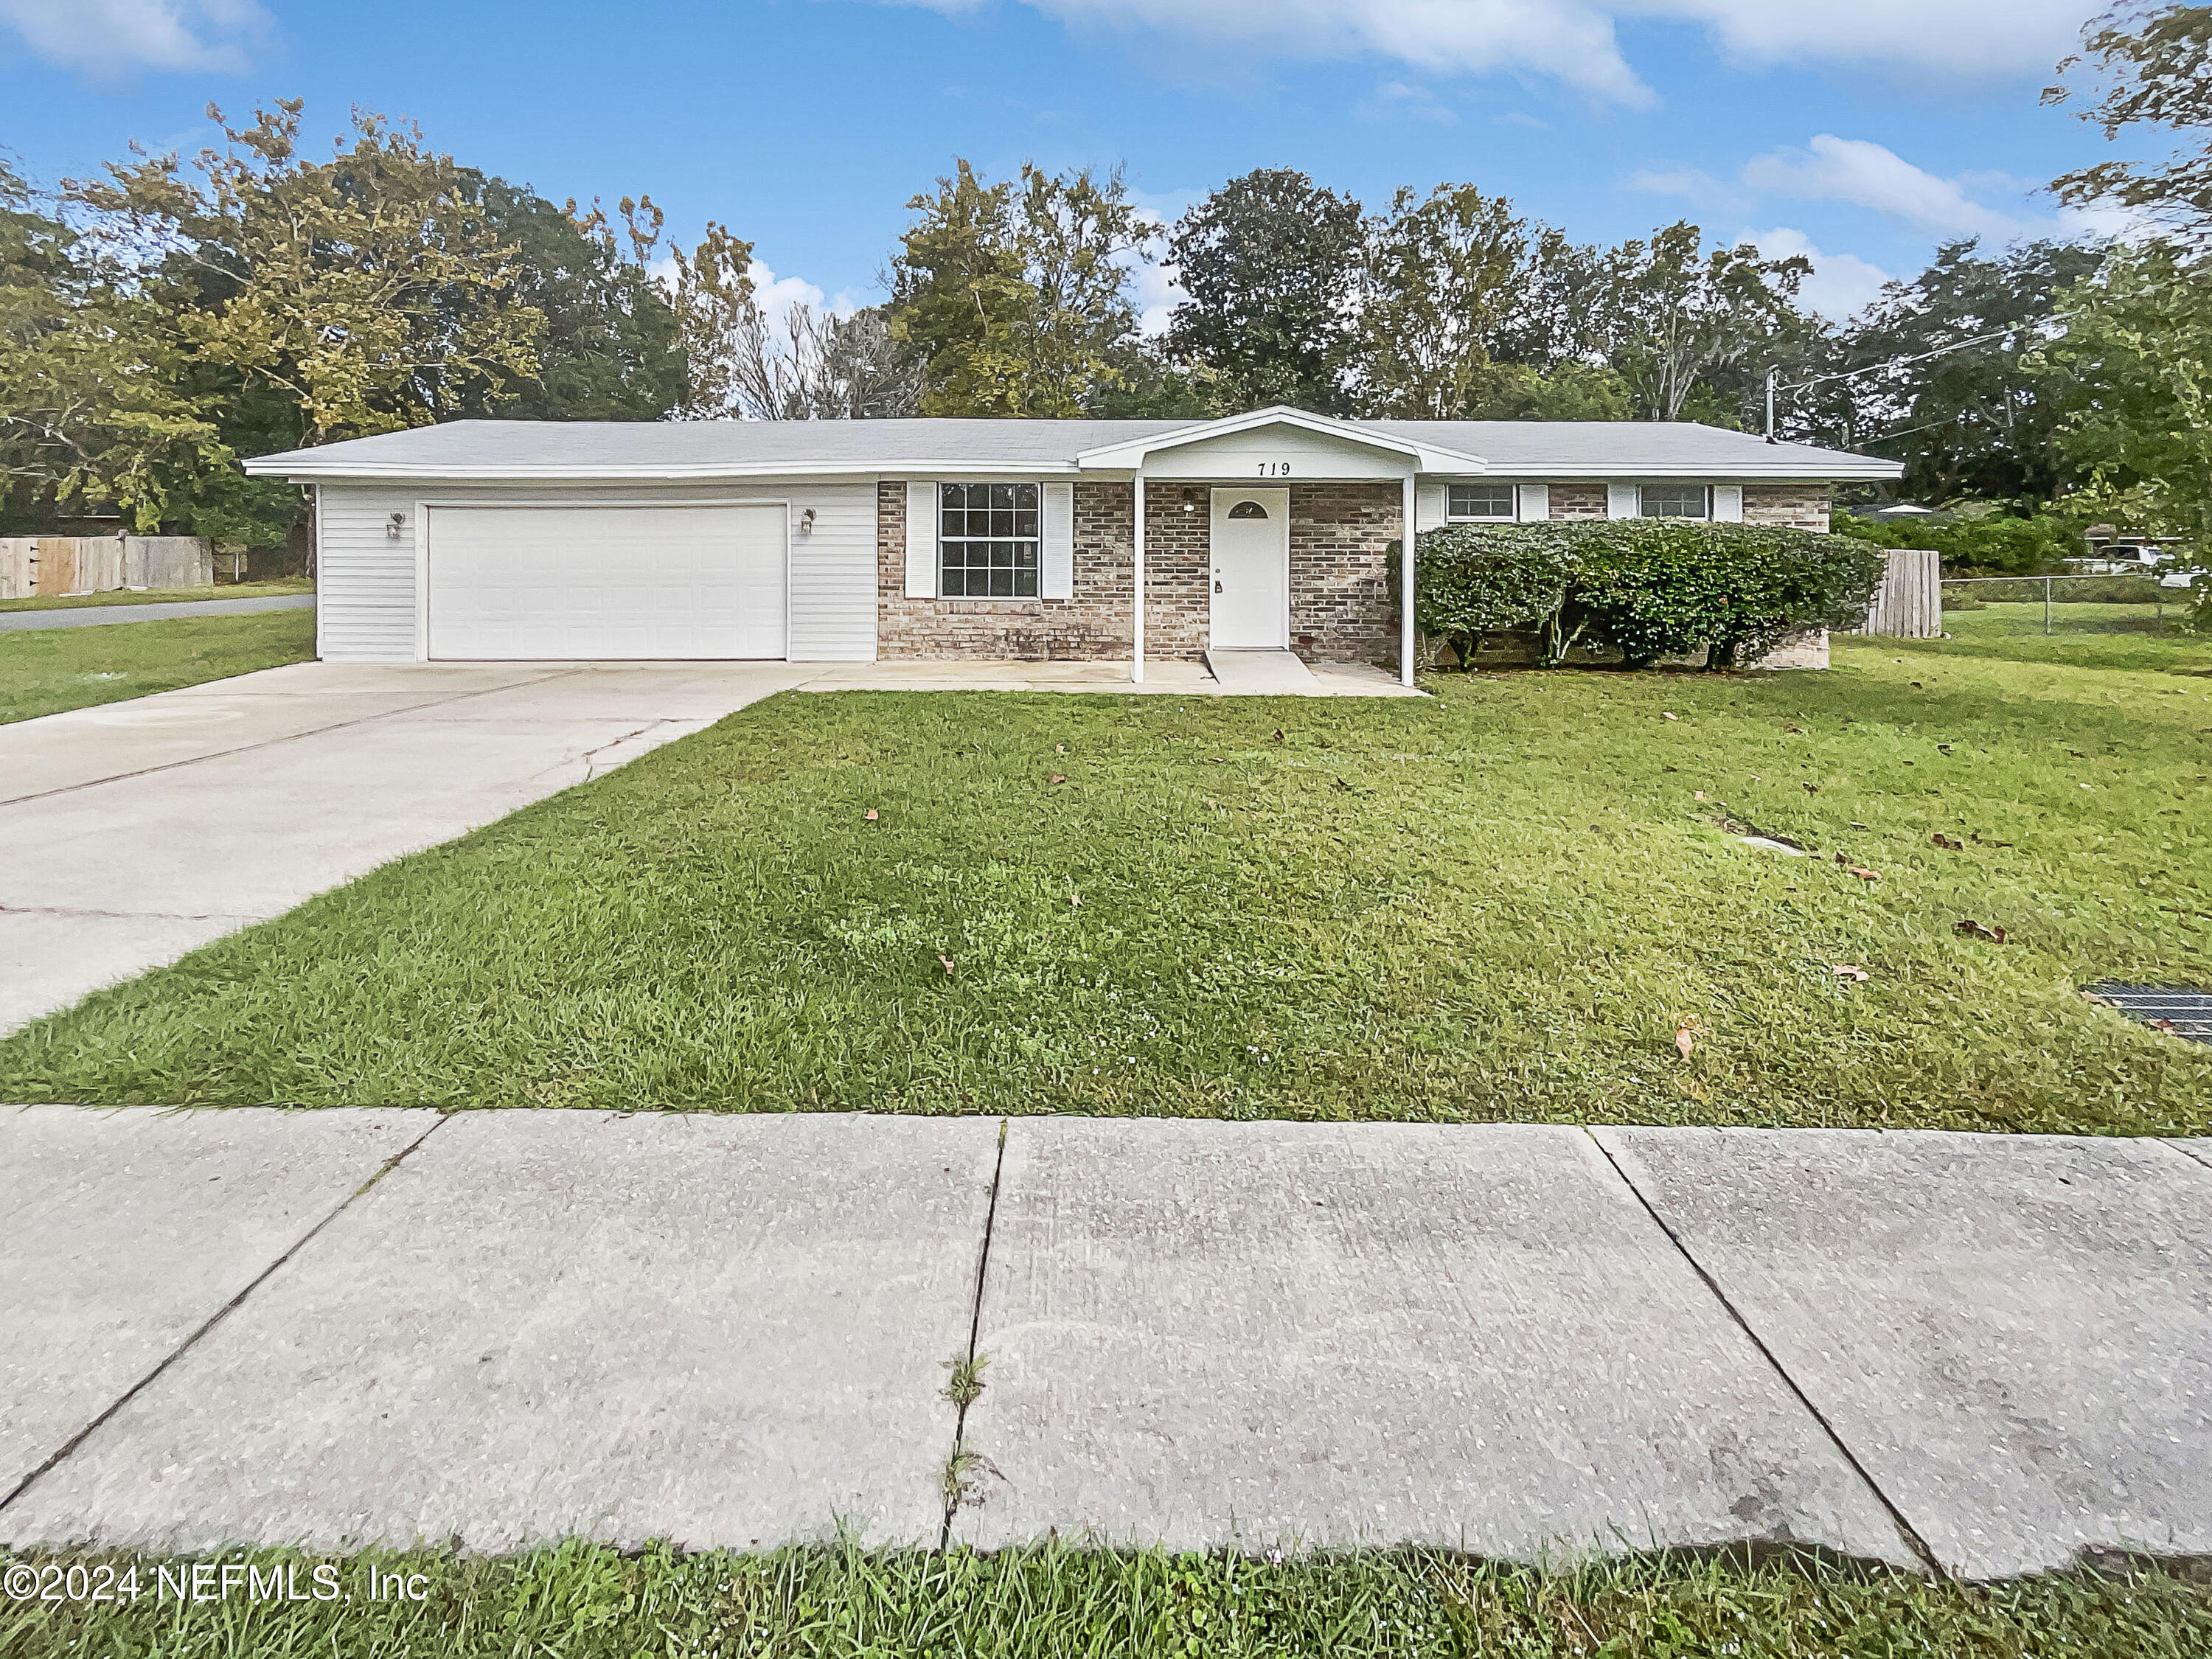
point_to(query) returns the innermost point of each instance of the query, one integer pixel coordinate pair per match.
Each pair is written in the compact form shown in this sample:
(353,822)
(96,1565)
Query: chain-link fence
(2111,604)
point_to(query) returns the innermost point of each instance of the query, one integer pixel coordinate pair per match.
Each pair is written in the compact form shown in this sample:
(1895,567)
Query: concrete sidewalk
(99,616)
(1981,1353)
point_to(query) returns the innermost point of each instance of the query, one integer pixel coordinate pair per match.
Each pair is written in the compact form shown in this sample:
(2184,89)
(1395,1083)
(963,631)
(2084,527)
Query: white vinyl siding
(364,577)
(1058,580)
(367,607)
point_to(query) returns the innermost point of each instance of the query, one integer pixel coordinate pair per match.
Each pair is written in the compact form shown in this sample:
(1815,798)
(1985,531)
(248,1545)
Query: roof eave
(1129,454)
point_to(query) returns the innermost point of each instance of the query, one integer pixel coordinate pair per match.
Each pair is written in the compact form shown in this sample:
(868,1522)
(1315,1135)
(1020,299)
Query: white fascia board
(348,471)
(1536,472)
(1130,455)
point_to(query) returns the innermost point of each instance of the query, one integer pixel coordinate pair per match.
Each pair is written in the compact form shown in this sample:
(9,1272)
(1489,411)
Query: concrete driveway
(141,831)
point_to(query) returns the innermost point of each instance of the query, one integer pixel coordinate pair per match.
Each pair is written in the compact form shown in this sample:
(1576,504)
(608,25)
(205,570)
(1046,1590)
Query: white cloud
(1577,42)
(1693,184)
(1841,285)
(1870,175)
(111,39)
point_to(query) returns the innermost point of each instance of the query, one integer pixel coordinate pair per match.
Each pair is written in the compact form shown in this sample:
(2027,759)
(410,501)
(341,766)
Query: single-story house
(844,541)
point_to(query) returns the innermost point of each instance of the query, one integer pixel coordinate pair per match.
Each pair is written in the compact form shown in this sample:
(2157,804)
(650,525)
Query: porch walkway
(1171,679)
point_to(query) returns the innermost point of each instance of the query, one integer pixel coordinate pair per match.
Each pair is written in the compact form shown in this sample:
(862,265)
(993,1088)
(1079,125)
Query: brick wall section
(1094,625)
(1803,505)
(1578,500)
(1178,575)
(1340,534)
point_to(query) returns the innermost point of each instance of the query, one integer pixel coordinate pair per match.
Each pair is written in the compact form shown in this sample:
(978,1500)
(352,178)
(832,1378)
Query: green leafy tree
(2154,65)
(1676,320)
(95,413)
(2132,378)
(1015,295)
(611,349)
(369,292)
(1271,264)
(1972,422)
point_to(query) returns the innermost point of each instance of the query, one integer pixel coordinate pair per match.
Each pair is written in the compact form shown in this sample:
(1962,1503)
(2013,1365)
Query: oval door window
(1247,510)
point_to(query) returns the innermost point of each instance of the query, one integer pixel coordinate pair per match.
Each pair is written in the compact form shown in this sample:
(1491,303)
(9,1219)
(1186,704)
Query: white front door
(1251,570)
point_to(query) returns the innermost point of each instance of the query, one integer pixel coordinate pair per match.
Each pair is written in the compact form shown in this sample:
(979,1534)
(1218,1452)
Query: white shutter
(922,541)
(1057,579)
(1534,502)
(1624,501)
(1428,506)
(1728,503)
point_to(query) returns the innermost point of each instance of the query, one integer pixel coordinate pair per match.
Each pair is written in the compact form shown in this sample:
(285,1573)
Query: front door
(1251,570)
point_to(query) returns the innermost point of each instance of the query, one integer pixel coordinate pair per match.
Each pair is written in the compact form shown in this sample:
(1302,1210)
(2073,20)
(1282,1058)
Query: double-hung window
(1677,501)
(988,541)
(1465,503)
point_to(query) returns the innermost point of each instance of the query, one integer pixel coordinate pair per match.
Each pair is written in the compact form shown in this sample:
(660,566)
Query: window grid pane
(1672,500)
(989,544)
(1482,500)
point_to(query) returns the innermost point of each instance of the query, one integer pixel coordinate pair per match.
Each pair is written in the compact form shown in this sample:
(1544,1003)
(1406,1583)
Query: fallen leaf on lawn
(1849,970)
(1865,874)
(870,815)
(1810,789)
(1061,748)
(1060,778)
(1944,842)
(947,960)
(1075,901)
(1973,929)
(1278,737)
(1669,714)
(2089,785)
(1799,730)
(1684,1039)
(1698,793)
(1856,825)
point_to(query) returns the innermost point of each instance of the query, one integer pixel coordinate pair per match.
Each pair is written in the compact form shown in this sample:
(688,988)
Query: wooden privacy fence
(1909,604)
(32,566)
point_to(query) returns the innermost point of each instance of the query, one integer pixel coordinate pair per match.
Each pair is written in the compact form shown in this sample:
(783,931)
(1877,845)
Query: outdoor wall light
(806,522)
(1190,506)
(396,526)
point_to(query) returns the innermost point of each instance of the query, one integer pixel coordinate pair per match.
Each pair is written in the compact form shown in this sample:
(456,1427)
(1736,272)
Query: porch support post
(1405,630)
(1137,651)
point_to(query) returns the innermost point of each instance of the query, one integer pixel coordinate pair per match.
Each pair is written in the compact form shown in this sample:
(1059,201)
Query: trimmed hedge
(1645,587)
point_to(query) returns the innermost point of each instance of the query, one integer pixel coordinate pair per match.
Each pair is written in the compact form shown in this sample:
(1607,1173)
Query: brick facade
(1578,500)
(1340,535)
(1804,506)
(1341,607)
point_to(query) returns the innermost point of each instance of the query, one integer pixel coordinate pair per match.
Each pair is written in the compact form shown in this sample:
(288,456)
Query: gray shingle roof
(644,449)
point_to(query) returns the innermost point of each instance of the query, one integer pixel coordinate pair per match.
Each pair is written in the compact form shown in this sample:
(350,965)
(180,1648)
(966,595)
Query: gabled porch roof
(1420,456)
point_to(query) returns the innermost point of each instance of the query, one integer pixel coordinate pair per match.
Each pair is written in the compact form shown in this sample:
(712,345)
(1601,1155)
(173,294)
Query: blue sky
(1861,131)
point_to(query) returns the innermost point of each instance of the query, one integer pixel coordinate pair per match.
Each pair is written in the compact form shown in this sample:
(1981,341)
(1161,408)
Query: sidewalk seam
(1906,1528)
(215,1318)
(974,1327)
(2168,1140)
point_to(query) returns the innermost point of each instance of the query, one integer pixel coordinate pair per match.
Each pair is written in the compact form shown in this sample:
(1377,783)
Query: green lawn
(44,671)
(159,595)
(1504,903)
(584,1602)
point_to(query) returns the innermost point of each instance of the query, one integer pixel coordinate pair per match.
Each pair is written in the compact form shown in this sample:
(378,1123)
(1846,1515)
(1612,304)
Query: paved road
(1987,1353)
(99,616)
(166,822)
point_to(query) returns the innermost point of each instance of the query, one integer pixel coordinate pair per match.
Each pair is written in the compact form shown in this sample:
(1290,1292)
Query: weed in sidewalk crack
(967,1381)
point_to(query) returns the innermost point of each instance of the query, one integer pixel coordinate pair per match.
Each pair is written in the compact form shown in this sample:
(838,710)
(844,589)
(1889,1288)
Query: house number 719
(1274,469)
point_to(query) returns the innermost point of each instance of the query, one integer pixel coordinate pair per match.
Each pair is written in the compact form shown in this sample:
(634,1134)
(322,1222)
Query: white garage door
(603,583)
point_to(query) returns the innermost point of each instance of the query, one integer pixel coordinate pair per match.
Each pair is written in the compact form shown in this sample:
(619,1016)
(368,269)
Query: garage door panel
(606,583)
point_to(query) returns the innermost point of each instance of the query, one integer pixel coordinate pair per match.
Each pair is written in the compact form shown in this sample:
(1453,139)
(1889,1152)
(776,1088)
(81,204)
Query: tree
(1671,316)
(1441,276)
(1270,263)
(611,348)
(1973,422)
(2156,65)
(1015,295)
(2132,377)
(92,409)
(369,292)
(817,366)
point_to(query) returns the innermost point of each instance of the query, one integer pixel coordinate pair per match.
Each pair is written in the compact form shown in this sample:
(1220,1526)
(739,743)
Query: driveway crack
(1906,1528)
(215,1319)
(965,1463)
